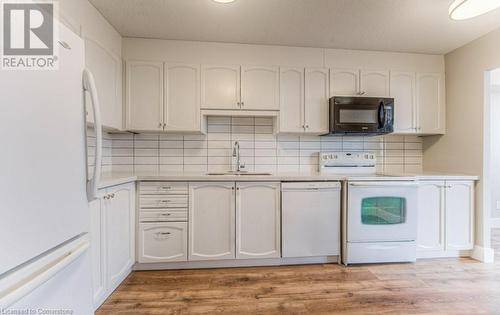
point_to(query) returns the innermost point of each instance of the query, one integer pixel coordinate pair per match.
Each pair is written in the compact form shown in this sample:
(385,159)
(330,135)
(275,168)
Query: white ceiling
(387,25)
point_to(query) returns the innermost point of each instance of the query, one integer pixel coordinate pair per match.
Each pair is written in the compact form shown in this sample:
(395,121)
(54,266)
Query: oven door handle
(382,116)
(392,184)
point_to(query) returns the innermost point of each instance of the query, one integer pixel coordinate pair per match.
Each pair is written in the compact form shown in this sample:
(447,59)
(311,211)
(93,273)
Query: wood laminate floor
(443,286)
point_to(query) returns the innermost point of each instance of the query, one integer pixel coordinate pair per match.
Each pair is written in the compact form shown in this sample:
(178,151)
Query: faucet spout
(236,154)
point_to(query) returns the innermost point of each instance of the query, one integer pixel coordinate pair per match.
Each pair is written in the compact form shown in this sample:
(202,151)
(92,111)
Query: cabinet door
(182,97)
(459,216)
(162,242)
(374,83)
(430,100)
(317,101)
(292,100)
(144,109)
(98,250)
(403,92)
(260,88)
(258,220)
(344,82)
(106,68)
(220,87)
(431,216)
(120,227)
(211,221)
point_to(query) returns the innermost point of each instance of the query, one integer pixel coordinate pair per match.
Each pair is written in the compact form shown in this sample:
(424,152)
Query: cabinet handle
(166,187)
(113,195)
(165,214)
(160,125)
(362,93)
(307,126)
(242,104)
(163,233)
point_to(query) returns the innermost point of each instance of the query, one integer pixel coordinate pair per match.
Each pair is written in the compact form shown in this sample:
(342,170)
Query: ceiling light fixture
(224,1)
(466,9)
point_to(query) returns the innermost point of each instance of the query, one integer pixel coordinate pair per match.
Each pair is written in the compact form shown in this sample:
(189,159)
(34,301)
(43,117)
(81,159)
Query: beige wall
(461,149)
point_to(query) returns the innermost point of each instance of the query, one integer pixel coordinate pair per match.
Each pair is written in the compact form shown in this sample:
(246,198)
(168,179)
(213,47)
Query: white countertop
(114,179)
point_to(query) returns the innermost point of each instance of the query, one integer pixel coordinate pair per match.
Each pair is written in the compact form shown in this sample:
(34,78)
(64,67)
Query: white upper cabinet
(374,83)
(260,88)
(144,104)
(430,99)
(211,221)
(316,101)
(106,68)
(403,91)
(460,215)
(258,220)
(292,100)
(344,82)
(182,97)
(220,87)
(431,203)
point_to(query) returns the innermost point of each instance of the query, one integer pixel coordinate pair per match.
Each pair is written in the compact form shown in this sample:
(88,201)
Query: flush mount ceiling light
(466,9)
(224,1)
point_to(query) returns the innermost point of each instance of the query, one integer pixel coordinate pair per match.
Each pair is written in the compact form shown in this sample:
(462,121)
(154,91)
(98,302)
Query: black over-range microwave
(363,116)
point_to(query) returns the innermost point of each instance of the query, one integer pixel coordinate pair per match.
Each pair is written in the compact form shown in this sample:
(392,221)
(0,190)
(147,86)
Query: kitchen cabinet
(431,104)
(258,220)
(446,215)
(355,82)
(163,242)
(403,87)
(259,88)
(163,97)
(144,96)
(304,101)
(112,233)
(182,98)
(292,115)
(211,221)
(220,87)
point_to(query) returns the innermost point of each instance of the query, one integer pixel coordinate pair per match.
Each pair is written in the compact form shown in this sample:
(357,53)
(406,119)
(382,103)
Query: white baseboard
(485,255)
(495,223)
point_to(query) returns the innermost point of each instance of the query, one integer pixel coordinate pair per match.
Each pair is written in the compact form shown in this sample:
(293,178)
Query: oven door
(382,211)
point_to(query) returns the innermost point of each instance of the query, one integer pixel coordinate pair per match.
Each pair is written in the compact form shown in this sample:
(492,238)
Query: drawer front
(163,202)
(162,242)
(164,216)
(163,188)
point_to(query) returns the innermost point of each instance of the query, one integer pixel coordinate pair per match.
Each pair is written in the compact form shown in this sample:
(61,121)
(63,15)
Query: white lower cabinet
(162,242)
(112,239)
(446,212)
(211,221)
(258,220)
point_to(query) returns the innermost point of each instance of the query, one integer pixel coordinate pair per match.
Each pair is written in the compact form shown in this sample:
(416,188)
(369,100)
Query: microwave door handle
(382,116)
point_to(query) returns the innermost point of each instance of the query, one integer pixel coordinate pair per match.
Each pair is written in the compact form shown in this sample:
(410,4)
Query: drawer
(164,216)
(163,188)
(162,242)
(163,201)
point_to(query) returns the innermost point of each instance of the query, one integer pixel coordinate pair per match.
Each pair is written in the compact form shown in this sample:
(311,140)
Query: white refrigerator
(44,208)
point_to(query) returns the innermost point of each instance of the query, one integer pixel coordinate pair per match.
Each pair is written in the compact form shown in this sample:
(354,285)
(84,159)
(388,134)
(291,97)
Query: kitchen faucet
(236,154)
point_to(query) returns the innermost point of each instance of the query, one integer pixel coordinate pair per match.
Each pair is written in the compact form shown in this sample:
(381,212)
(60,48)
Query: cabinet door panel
(431,216)
(374,83)
(220,87)
(144,96)
(403,91)
(182,97)
(260,88)
(106,69)
(459,216)
(258,220)
(162,242)
(98,250)
(317,101)
(211,221)
(292,100)
(344,82)
(431,104)
(120,227)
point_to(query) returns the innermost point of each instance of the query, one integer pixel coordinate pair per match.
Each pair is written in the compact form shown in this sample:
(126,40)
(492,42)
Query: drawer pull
(165,214)
(166,188)
(163,233)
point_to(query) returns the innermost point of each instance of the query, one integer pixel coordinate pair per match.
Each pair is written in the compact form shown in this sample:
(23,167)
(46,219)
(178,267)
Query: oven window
(358,116)
(383,210)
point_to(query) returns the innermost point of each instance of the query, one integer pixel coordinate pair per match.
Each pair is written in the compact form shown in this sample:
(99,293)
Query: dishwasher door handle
(381,184)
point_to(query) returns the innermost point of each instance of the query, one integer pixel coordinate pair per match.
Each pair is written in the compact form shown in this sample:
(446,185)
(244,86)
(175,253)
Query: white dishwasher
(310,219)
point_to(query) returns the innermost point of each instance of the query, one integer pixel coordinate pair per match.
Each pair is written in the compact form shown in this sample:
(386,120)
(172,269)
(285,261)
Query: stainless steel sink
(239,174)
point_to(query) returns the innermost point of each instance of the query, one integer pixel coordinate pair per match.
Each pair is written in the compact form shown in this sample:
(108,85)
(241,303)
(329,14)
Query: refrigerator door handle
(90,87)
(20,283)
